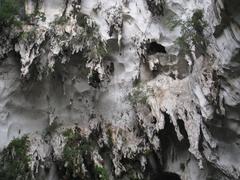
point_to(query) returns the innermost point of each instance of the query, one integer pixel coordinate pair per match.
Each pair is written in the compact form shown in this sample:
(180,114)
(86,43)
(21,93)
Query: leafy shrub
(101,172)
(28,35)
(14,161)
(13,12)
(139,95)
(60,20)
(193,33)
(75,149)
(9,9)
(38,15)
(172,23)
(52,128)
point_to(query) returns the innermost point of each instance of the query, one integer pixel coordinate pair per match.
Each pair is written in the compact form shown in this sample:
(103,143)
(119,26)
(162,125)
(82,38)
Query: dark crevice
(183,132)
(156,9)
(168,137)
(154,47)
(165,176)
(201,141)
(168,133)
(94,79)
(33,74)
(225,21)
(228,15)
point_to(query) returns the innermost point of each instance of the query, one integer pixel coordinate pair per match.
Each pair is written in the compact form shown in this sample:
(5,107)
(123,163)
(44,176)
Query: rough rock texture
(131,89)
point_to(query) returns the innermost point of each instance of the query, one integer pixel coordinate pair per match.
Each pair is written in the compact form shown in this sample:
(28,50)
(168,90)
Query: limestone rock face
(131,89)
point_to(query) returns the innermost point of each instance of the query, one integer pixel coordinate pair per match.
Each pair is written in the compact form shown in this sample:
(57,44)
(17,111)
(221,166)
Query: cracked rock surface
(121,89)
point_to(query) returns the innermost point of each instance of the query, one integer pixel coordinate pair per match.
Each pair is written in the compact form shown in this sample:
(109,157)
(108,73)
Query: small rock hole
(154,47)
(166,176)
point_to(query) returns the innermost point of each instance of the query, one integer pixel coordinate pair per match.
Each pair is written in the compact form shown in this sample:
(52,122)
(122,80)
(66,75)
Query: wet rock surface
(133,89)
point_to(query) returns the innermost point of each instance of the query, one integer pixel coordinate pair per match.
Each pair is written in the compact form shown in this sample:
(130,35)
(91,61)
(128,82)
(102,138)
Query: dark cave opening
(166,176)
(154,47)
(183,131)
(94,79)
(169,135)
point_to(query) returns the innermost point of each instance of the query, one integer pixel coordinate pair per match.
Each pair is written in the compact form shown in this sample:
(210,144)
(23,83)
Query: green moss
(69,133)
(14,161)
(147,152)
(139,95)
(28,35)
(101,172)
(9,9)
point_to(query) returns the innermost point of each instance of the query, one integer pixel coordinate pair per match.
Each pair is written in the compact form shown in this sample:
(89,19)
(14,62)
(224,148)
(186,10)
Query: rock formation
(121,89)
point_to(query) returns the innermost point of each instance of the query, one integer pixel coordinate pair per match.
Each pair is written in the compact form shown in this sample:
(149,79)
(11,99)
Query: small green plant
(14,161)
(39,15)
(89,27)
(193,33)
(136,81)
(52,128)
(184,45)
(101,173)
(28,35)
(60,20)
(139,95)
(75,148)
(172,23)
(12,12)
(101,50)
(82,19)
(9,9)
